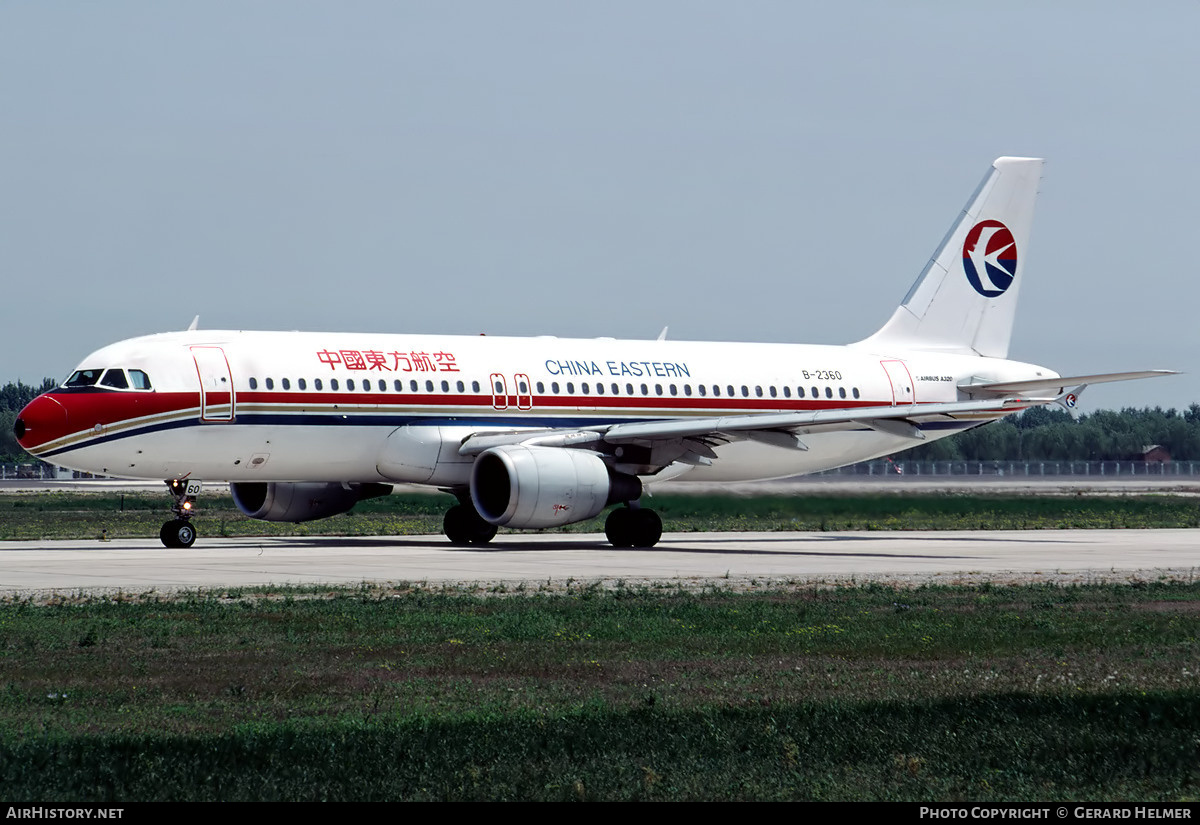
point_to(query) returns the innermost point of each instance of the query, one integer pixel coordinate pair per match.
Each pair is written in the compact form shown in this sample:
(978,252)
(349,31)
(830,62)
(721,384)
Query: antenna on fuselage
(662,336)
(194,324)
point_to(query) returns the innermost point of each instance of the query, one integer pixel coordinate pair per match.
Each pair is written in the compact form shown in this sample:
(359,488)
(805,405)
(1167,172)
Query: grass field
(82,516)
(870,693)
(1022,693)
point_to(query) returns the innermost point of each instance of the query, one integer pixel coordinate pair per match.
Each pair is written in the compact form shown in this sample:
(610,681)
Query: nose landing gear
(179,532)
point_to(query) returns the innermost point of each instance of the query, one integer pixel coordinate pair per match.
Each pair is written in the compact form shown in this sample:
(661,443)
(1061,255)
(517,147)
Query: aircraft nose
(43,419)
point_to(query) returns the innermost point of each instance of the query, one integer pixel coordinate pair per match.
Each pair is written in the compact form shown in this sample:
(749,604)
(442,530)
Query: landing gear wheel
(647,528)
(178,533)
(463,525)
(618,527)
(626,527)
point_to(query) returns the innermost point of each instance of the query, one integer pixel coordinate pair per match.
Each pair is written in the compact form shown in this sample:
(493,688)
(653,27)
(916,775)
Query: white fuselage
(359,407)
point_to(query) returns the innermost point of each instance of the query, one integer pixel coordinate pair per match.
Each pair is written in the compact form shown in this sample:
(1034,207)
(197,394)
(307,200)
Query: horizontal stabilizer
(1062,382)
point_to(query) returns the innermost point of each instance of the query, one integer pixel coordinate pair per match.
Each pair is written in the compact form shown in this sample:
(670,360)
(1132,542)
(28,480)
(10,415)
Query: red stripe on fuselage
(606,403)
(85,410)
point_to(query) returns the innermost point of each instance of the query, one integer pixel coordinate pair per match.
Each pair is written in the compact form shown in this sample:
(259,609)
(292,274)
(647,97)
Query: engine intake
(530,487)
(295,502)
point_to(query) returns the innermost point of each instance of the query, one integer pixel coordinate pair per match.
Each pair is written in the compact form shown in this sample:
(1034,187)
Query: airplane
(531,433)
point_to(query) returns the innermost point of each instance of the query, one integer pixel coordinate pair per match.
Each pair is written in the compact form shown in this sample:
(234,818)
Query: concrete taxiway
(687,559)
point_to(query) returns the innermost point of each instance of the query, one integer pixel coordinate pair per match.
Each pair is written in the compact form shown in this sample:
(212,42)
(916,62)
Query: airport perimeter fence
(37,471)
(1021,469)
(880,467)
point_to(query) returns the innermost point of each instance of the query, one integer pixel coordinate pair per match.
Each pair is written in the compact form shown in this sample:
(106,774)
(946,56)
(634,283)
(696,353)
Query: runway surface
(740,560)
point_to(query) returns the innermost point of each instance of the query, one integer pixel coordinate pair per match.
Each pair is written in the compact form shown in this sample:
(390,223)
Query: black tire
(177,533)
(646,528)
(618,527)
(462,525)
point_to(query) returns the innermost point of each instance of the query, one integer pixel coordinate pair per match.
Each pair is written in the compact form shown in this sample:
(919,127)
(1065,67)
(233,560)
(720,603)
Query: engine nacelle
(530,487)
(288,501)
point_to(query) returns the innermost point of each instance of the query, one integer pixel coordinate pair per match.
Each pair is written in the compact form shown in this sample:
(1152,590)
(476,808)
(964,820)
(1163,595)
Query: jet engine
(531,487)
(287,501)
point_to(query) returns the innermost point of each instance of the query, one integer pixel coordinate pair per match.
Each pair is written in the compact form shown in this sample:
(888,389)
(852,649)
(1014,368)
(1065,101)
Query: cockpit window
(83,378)
(115,379)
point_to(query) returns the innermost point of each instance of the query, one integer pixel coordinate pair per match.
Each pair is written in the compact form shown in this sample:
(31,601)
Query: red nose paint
(44,419)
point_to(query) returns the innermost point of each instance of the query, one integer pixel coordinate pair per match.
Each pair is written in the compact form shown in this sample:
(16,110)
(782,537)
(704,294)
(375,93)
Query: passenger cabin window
(301,383)
(286,384)
(270,383)
(316,383)
(253,383)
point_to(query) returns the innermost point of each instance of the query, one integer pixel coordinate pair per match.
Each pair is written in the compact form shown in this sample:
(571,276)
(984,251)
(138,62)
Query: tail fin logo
(990,258)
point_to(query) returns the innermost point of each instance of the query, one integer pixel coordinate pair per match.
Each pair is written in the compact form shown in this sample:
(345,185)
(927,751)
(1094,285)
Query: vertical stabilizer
(965,299)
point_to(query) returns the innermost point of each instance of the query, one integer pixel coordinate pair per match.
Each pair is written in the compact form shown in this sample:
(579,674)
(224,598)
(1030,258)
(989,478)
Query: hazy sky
(775,171)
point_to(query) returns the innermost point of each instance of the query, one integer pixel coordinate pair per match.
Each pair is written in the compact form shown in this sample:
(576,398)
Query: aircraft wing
(782,429)
(903,419)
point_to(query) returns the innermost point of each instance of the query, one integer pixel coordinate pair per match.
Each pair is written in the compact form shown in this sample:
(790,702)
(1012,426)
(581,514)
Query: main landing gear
(627,526)
(464,525)
(633,527)
(179,532)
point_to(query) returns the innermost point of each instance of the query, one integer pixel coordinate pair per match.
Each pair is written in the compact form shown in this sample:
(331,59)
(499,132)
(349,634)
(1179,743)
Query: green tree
(13,397)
